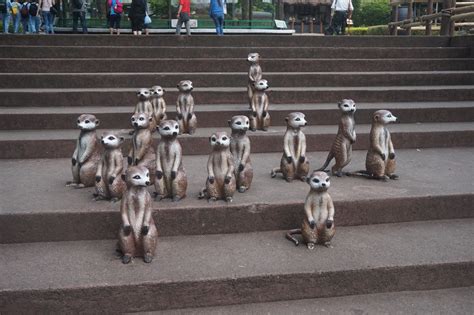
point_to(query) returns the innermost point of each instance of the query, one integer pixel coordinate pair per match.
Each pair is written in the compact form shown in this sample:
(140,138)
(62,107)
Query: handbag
(147,19)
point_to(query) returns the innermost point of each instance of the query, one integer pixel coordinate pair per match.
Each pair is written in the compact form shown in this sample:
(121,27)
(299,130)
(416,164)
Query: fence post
(409,15)
(394,28)
(452,23)
(445,19)
(429,22)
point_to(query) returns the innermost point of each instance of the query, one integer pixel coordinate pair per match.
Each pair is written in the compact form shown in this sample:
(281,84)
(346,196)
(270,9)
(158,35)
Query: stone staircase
(414,234)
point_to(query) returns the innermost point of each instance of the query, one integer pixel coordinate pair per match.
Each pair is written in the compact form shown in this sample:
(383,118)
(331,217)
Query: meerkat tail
(290,233)
(328,160)
(275,171)
(202,193)
(362,173)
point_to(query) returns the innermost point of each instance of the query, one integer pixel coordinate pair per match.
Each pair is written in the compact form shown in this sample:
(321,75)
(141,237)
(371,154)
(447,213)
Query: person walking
(216,12)
(184,14)
(342,11)
(79,8)
(45,7)
(137,16)
(115,8)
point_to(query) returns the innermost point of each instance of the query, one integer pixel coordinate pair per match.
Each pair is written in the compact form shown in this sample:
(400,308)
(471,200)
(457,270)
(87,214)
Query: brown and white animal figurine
(220,183)
(318,226)
(141,151)
(185,108)
(260,117)
(380,160)
(109,183)
(138,235)
(255,74)
(341,149)
(158,103)
(294,163)
(144,105)
(86,156)
(240,149)
(171,180)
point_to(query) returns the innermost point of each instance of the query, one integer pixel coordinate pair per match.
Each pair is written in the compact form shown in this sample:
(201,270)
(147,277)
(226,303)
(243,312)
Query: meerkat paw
(303,178)
(126,259)
(338,174)
(212,199)
(148,258)
(273,174)
(229,199)
(176,198)
(79,186)
(158,197)
(71,184)
(242,189)
(328,245)
(394,176)
(384,178)
(114,200)
(310,246)
(98,198)
(288,179)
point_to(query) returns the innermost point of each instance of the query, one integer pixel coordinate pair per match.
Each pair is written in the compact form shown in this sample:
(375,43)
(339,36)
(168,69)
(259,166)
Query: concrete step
(17,51)
(35,197)
(445,301)
(212,270)
(237,95)
(37,144)
(118,117)
(230,41)
(95,64)
(235,79)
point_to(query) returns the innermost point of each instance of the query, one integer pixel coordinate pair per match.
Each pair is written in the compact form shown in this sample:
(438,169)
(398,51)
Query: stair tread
(185,259)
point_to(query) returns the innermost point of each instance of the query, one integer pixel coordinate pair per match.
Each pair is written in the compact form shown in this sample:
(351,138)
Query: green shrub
(378,30)
(357,30)
(373,12)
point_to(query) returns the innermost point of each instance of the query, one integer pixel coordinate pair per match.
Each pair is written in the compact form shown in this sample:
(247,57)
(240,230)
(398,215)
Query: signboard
(192,23)
(280,24)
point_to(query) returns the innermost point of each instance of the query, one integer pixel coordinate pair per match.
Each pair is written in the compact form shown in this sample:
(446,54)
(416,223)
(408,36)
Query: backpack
(24,11)
(33,9)
(77,4)
(3,6)
(15,8)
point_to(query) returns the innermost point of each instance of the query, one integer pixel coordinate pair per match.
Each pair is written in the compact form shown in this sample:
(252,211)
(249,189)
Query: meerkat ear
(229,122)
(150,118)
(286,119)
(308,179)
(122,139)
(124,177)
(177,85)
(210,139)
(97,122)
(376,117)
(339,103)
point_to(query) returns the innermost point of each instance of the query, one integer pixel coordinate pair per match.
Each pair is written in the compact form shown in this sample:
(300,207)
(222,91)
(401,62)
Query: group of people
(29,14)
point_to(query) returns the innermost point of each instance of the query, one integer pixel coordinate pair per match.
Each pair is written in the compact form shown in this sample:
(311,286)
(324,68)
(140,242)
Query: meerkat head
(296,120)
(185,86)
(157,91)
(141,120)
(143,94)
(261,85)
(111,141)
(168,128)
(239,122)
(319,181)
(219,140)
(347,106)
(87,122)
(253,58)
(383,117)
(137,176)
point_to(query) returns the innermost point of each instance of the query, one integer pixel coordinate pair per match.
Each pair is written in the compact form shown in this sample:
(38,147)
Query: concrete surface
(236,268)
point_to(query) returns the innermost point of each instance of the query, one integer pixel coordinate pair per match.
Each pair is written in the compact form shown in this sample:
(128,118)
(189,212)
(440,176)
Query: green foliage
(259,5)
(373,12)
(159,8)
(378,30)
(356,31)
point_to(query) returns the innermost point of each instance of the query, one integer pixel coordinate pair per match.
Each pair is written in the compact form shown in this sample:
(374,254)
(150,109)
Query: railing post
(445,18)
(429,22)
(452,23)
(409,15)
(394,28)
(311,25)
(302,26)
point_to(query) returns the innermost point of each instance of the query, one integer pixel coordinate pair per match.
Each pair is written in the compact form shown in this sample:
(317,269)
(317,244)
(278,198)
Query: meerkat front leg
(309,227)
(75,167)
(329,228)
(126,241)
(253,115)
(265,114)
(179,117)
(148,243)
(159,182)
(229,180)
(303,164)
(391,163)
(211,185)
(100,184)
(288,162)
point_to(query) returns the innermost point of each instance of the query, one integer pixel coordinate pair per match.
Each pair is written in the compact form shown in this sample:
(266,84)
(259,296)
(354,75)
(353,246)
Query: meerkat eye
(345,105)
(239,123)
(176,127)
(133,118)
(111,138)
(78,121)
(224,138)
(315,180)
(147,174)
(213,139)
(87,121)
(136,177)
(247,122)
(141,118)
(297,119)
(327,179)
(167,128)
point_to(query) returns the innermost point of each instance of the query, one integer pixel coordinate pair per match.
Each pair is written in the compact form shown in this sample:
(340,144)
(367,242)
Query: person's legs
(118,17)
(51,22)
(25,24)
(37,22)
(16,22)
(220,19)
(178,25)
(216,22)
(75,16)
(83,22)
(188,27)
(47,21)
(6,22)
(31,24)
(344,23)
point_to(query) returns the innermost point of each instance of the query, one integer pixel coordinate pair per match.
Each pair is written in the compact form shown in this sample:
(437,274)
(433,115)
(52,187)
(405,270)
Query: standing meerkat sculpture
(255,74)
(109,183)
(158,103)
(294,163)
(185,108)
(240,149)
(341,148)
(318,226)
(138,235)
(86,156)
(260,117)
(220,183)
(141,152)
(171,180)
(380,159)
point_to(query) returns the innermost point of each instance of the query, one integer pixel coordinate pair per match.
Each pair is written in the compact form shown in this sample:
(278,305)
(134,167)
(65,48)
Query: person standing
(25,16)
(137,16)
(34,17)
(16,15)
(216,12)
(115,8)
(5,13)
(79,8)
(342,11)
(45,6)
(184,14)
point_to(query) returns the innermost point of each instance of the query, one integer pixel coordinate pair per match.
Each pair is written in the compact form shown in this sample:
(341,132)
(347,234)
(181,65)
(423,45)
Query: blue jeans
(34,26)
(219,22)
(48,22)
(16,22)
(81,15)
(6,21)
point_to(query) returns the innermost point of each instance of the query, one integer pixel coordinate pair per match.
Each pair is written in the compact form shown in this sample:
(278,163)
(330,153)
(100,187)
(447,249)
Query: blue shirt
(215,8)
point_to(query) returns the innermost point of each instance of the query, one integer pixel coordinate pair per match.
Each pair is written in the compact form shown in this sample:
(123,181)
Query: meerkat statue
(318,226)
(255,74)
(171,180)
(260,117)
(294,163)
(138,235)
(86,156)
(341,148)
(240,149)
(220,183)
(158,103)
(185,108)
(141,151)
(109,183)
(380,159)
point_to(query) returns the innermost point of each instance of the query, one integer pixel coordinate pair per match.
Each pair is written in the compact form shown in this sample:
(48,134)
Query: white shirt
(342,5)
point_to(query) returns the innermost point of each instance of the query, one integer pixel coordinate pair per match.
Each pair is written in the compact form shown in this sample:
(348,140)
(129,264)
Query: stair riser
(233,80)
(228,41)
(160,296)
(118,98)
(229,65)
(232,52)
(67,226)
(38,149)
(219,119)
